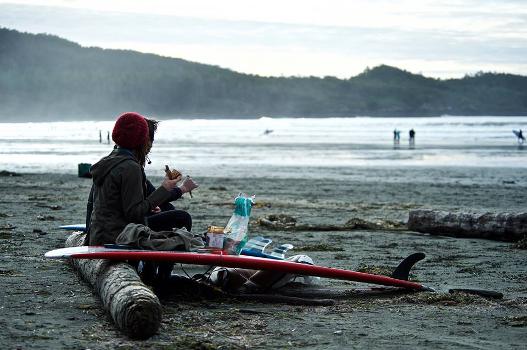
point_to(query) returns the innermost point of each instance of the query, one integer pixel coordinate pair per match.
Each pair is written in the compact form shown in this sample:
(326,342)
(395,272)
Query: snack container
(215,237)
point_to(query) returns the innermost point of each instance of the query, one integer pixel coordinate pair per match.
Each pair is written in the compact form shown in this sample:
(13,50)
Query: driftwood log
(497,226)
(285,222)
(135,309)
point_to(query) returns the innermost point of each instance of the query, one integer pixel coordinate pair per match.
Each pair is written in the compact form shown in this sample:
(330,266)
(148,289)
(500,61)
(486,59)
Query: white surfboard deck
(65,253)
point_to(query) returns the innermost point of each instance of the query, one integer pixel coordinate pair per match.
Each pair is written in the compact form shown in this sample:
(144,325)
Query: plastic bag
(237,227)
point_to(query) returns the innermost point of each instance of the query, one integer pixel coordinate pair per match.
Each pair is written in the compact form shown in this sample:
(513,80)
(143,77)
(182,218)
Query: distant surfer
(121,194)
(519,135)
(267,131)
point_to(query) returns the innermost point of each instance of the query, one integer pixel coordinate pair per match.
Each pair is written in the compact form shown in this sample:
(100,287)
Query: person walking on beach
(412,137)
(121,194)
(521,138)
(396,136)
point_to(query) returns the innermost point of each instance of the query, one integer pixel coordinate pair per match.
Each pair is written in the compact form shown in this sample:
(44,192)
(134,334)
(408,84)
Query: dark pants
(166,220)
(158,272)
(169,217)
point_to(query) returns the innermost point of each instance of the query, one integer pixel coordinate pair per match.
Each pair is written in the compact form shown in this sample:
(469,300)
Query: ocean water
(275,146)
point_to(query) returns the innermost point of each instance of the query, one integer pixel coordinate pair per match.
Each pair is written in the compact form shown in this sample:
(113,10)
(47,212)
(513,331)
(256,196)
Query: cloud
(437,38)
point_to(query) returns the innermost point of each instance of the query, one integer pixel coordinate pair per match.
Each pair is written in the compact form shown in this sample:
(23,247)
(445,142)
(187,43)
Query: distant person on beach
(521,138)
(412,136)
(121,194)
(396,136)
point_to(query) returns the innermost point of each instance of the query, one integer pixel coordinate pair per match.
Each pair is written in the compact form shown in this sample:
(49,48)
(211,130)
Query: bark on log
(135,309)
(497,226)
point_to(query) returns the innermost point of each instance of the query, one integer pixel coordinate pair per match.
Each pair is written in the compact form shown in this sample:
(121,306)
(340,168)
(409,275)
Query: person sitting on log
(121,194)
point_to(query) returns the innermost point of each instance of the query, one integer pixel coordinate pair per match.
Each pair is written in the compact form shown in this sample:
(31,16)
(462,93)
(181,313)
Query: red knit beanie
(130,130)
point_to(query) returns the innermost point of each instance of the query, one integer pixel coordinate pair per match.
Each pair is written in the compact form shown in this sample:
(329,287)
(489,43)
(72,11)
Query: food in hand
(172,174)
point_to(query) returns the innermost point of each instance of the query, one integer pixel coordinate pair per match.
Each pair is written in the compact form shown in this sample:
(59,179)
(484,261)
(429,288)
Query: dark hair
(152,128)
(142,152)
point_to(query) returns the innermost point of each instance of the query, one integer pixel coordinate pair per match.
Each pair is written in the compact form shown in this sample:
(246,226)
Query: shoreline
(389,173)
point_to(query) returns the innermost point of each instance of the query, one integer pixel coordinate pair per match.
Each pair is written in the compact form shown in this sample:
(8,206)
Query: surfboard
(237,261)
(521,138)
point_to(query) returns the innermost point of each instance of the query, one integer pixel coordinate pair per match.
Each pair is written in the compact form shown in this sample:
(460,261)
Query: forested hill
(44,77)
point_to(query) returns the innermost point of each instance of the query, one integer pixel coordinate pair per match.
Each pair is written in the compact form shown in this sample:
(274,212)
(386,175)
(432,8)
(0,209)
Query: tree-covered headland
(43,77)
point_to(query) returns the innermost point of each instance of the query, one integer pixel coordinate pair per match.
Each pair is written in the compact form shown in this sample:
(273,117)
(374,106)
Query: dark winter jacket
(118,196)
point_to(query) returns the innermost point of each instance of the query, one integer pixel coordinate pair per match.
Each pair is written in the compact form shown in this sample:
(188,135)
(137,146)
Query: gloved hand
(187,185)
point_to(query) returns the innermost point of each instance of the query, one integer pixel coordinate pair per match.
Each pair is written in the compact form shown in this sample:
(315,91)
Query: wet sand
(45,305)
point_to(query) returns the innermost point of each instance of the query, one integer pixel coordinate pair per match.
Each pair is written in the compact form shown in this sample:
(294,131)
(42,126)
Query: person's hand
(156,210)
(187,185)
(168,184)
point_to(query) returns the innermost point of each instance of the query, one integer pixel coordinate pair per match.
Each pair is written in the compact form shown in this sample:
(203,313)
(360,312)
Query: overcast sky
(296,37)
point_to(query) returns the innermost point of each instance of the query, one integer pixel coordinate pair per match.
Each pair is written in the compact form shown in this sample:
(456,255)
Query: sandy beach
(45,305)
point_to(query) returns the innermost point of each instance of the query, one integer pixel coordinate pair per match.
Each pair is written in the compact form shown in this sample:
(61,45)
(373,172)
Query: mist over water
(275,146)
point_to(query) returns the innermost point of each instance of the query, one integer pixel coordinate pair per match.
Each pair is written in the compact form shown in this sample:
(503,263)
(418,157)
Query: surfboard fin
(402,271)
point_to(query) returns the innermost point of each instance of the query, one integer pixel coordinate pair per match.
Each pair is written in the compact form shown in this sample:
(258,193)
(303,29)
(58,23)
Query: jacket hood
(103,167)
